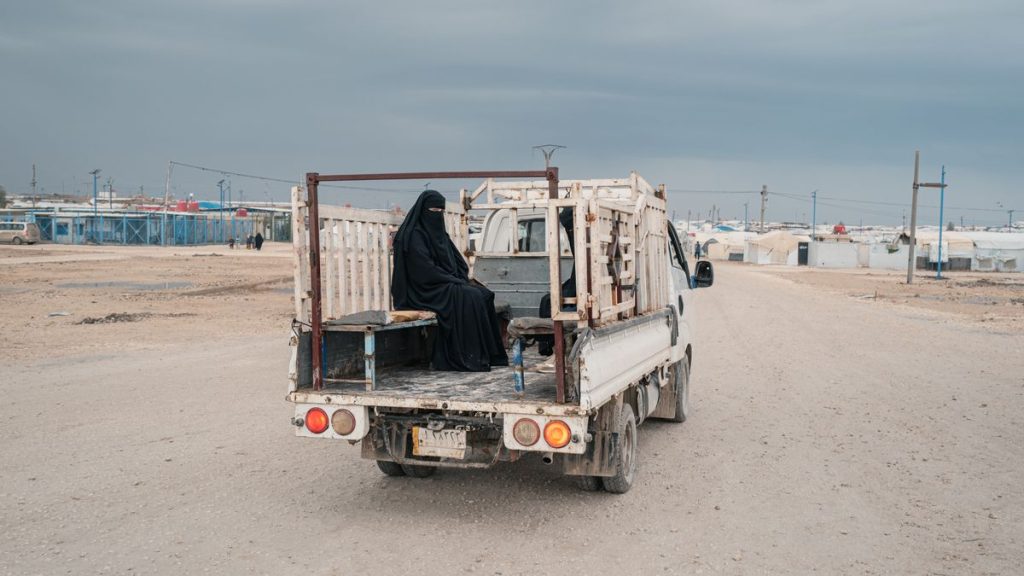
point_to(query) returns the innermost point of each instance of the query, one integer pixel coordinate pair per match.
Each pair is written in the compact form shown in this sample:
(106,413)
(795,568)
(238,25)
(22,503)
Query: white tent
(997,251)
(777,247)
(724,245)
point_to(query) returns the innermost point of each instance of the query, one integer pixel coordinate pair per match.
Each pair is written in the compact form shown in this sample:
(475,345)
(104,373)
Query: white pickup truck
(622,339)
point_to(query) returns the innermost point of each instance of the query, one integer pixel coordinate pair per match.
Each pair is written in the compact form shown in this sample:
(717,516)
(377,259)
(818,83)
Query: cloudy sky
(706,97)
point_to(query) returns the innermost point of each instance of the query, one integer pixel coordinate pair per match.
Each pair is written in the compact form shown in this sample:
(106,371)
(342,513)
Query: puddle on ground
(128,285)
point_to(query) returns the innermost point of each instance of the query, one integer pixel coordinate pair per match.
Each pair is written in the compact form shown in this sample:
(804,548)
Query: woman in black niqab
(430,274)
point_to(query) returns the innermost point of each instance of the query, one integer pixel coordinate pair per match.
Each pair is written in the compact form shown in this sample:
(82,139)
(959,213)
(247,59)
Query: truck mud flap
(598,460)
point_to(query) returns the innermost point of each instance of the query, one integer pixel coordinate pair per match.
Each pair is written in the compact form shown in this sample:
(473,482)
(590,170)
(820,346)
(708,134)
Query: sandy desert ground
(844,423)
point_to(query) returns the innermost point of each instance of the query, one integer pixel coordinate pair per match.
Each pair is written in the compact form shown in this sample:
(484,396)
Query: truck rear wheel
(681,372)
(626,460)
(390,468)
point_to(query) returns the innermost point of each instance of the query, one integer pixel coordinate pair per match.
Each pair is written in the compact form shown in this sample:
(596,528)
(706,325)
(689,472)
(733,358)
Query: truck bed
(426,384)
(403,387)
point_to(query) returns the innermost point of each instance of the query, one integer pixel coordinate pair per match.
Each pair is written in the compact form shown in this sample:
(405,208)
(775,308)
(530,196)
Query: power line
(877,203)
(283,180)
(682,191)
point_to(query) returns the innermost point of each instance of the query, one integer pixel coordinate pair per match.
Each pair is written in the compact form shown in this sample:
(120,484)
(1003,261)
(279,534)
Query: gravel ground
(830,434)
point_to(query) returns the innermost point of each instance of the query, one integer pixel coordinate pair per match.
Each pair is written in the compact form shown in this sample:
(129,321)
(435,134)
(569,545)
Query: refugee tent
(957,250)
(777,247)
(726,245)
(997,251)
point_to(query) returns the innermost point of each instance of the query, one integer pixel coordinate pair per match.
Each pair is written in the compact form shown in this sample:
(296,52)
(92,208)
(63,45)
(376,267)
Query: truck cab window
(675,251)
(531,235)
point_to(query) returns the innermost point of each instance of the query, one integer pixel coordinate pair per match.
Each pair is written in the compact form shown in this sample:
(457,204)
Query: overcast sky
(722,96)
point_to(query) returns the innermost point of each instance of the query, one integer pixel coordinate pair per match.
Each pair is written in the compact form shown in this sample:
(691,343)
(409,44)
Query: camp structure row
(962,250)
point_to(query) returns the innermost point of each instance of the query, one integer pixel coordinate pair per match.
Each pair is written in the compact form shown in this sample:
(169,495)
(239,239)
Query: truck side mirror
(705,274)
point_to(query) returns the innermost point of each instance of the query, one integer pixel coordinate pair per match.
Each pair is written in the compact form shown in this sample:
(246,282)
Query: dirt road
(830,434)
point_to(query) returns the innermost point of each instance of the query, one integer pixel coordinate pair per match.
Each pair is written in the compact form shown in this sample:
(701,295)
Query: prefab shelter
(834,254)
(884,256)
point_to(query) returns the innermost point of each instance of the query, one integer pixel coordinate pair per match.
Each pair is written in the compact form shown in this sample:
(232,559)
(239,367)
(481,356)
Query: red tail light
(557,434)
(316,420)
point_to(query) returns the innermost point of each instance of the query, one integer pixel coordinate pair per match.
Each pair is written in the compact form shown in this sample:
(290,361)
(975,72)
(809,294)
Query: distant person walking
(696,250)
(258,240)
(248,242)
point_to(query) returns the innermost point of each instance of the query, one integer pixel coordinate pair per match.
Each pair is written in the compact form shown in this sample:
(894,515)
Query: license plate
(441,443)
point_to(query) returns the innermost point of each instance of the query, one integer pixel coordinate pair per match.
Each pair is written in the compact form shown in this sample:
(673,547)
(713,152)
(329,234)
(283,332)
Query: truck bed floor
(493,386)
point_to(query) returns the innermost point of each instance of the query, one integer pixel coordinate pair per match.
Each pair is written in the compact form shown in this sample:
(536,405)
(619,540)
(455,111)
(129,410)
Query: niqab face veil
(431,223)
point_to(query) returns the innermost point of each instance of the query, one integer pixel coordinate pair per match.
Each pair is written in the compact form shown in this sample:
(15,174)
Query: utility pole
(167,186)
(220,187)
(814,213)
(913,218)
(687,220)
(745,225)
(110,192)
(33,185)
(95,202)
(942,203)
(764,201)
(913,214)
(231,207)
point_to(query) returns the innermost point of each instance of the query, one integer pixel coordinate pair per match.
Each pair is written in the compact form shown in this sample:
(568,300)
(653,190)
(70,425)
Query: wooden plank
(580,261)
(374,254)
(596,229)
(300,264)
(359,215)
(353,267)
(364,229)
(342,257)
(329,249)
(552,230)
(386,270)
(625,240)
(623,306)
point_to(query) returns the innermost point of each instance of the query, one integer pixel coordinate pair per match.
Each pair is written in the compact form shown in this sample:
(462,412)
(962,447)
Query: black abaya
(430,274)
